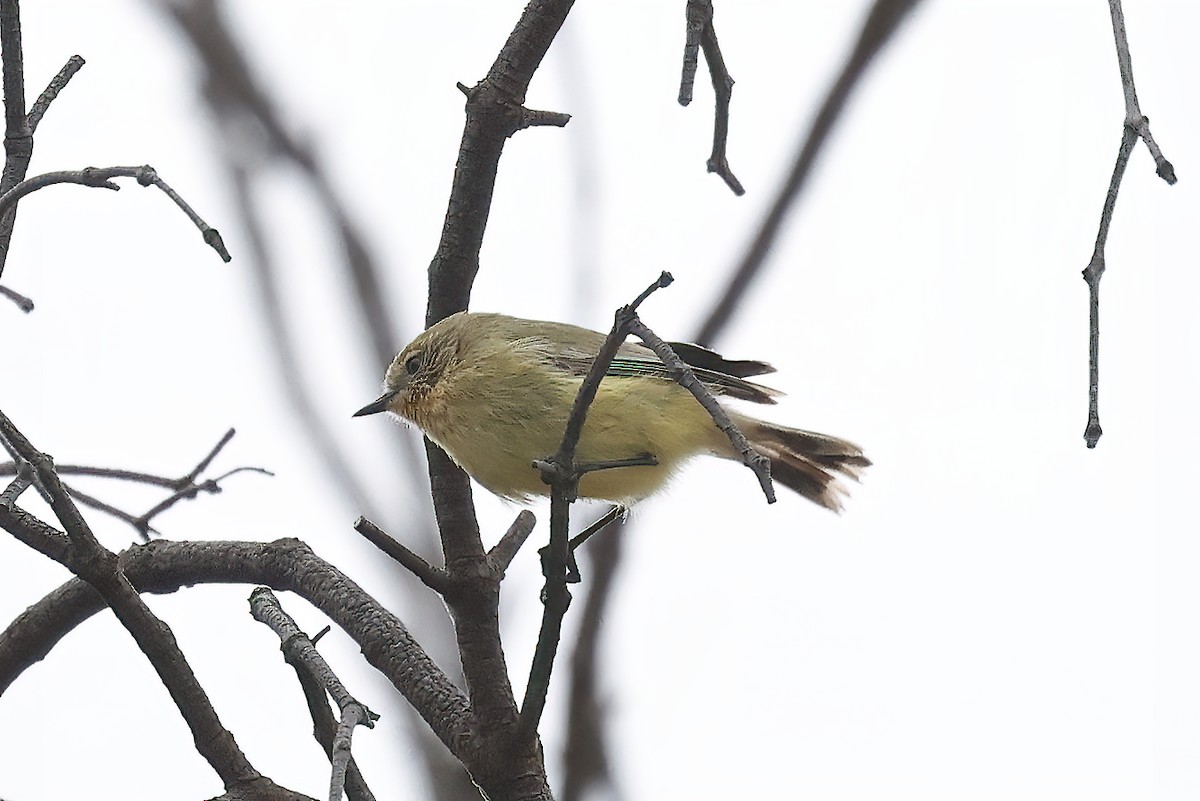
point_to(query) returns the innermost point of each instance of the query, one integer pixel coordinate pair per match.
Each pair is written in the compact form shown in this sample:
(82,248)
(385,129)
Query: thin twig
(212,237)
(101,177)
(573,574)
(325,727)
(23,303)
(211,486)
(1136,126)
(48,95)
(17,163)
(9,468)
(603,360)
(532,118)
(203,464)
(561,474)
(687,379)
(702,34)
(20,466)
(502,553)
(1092,274)
(432,577)
(184,487)
(138,477)
(143,529)
(91,561)
(882,22)
(300,652)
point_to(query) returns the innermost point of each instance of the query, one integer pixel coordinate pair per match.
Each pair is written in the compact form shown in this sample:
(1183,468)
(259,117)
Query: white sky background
(1000,614)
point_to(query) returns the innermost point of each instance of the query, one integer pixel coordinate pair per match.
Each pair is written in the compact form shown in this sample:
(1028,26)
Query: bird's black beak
(376,406)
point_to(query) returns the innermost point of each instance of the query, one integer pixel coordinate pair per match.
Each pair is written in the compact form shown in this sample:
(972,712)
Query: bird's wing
(721,376)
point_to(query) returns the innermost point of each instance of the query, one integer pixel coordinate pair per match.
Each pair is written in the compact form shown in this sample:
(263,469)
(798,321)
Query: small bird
(495,393)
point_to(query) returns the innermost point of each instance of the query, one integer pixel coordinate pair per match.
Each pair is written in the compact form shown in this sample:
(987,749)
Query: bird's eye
(412,365)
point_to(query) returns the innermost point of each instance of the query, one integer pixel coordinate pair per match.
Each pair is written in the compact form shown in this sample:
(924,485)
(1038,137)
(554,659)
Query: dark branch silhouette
(432,577)
(702,35)
(184,487)
(562,474)
(101,177)
(882,22)
(325,727)
(77,549)
(301,653)
(163,566)
(1137,126)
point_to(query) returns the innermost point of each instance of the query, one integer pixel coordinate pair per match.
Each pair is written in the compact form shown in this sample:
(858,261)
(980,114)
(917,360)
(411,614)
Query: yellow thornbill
(495,393)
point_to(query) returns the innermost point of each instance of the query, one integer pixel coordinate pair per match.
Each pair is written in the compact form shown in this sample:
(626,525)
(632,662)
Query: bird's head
(412,380)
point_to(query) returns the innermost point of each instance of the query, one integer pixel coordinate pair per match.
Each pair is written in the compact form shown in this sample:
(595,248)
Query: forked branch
(702,35)
(77,549)
(182,488)
(1136,126)
(101,177)
(562,474)
(301,653)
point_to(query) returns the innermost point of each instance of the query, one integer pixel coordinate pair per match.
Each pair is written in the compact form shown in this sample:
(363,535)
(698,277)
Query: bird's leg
(551,470)
(615,512)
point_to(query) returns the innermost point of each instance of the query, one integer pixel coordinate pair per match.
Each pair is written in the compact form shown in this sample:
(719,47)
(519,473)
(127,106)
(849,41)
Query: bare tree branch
(301,653)
(881,23)
(162,566)
(184,487)
(23,303)
(325,727)
(495,111)
(50,93)
(502,553)
(562,474)
(87,558)
(1136,126)
(702,34)
(759,464)
(102,177)
(18,135)
(432,577)
(19,126)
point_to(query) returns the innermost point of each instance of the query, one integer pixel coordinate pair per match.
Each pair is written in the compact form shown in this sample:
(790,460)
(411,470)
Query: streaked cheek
(412,405)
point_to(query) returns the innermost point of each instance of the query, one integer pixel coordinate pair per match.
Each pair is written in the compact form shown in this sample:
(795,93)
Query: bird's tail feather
(805,461)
